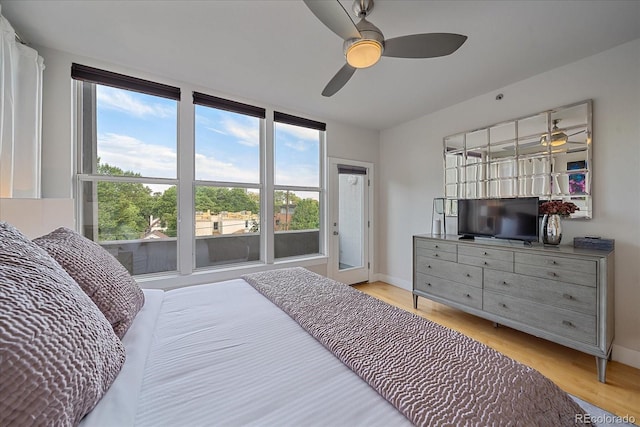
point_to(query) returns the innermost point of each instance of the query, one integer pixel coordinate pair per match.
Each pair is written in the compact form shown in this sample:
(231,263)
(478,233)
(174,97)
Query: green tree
(218,199)
(166,208)
(306,215)
(123,207)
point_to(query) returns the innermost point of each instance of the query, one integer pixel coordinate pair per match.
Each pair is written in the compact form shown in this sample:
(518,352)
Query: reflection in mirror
(548,155)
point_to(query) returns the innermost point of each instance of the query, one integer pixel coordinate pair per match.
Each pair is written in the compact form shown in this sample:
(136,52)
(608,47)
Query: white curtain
(20,116)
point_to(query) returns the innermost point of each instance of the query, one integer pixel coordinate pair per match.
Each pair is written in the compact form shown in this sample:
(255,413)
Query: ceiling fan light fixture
(363,53)
(557,137)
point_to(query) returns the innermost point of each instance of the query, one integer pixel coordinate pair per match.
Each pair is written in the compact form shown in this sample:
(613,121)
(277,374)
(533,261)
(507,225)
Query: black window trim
(228,105)
(351,170)
(298,121)
(122,81)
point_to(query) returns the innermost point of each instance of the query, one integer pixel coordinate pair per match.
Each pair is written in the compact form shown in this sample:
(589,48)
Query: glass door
(349,222)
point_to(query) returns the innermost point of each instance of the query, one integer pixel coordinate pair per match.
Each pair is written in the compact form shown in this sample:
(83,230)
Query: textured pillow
(58,353)
(98,273)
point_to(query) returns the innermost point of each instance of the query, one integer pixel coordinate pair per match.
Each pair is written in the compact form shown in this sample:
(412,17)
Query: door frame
(333,248)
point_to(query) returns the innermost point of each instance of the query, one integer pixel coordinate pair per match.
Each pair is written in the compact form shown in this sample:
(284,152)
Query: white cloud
(216,130)
(122,100)
(297,145)
(157,161)
(131,154)
(298,132)
(297,138)
(246,134)
(300,175)
(210,169)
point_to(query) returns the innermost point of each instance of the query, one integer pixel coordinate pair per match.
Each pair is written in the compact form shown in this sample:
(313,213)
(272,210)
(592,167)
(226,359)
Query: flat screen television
(508,218)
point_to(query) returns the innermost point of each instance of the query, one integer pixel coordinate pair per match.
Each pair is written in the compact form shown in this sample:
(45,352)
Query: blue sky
(138,132)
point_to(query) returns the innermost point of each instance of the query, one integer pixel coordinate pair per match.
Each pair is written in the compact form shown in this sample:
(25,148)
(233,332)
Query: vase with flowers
(553,211)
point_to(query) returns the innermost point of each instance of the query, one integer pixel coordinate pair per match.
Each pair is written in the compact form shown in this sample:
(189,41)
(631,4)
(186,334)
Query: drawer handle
(428,284)
(567,296)
(554,274)
(503,305)
(486,263)
(468,296)
(554,262)
(428,266)
(468,275)
(567,323)
(505,283)
(436,246)
(436,255)
(486,253)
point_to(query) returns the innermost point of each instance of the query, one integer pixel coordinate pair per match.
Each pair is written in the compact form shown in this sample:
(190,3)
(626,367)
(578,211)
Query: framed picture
(577,181)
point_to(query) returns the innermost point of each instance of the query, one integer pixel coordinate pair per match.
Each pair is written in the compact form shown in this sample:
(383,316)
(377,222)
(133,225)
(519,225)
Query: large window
(297,191)
(228,181)
(128,168)
(165,186)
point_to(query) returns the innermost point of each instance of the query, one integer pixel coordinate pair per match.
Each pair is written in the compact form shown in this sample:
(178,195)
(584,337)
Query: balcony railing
(146,256)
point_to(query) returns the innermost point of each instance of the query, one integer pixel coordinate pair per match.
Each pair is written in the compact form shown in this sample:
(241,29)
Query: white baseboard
(400,283)
(619,354)
(626,356)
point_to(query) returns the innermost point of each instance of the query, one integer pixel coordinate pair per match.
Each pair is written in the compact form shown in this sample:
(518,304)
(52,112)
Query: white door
(349,224)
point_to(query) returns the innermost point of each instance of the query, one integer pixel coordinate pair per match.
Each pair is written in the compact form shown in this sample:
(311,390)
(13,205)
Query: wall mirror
(548,155)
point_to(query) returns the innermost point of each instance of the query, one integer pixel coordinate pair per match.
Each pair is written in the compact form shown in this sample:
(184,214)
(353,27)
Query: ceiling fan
(364,43)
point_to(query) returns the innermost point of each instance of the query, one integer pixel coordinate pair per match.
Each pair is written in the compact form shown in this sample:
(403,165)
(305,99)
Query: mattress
(222,354)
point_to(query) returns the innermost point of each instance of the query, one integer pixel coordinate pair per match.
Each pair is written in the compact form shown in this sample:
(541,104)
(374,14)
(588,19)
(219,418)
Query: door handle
(335,233)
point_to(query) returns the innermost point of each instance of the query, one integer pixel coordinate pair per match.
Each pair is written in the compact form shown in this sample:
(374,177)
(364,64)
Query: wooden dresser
(562,294)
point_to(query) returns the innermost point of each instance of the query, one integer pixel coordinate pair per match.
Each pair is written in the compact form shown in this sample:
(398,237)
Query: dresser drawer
(566,323)
(557,274)
(551,261)
(486,262)
(439,245)
(486,253)
(466,274)
(453,291)
(543,291)
(437,254)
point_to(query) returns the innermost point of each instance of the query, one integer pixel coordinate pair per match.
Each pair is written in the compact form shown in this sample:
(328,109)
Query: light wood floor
(571,370)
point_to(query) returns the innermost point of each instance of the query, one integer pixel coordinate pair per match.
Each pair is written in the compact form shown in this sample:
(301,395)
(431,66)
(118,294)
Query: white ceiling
(278,53)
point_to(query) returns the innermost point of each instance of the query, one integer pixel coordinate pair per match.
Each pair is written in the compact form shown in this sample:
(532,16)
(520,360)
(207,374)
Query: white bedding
(222,354)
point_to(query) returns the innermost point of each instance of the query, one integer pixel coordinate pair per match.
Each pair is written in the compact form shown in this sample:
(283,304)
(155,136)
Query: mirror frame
(513,159)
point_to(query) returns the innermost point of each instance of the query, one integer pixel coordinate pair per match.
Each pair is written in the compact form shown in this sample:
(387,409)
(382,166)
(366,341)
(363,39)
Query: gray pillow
(98,273)
(58,353)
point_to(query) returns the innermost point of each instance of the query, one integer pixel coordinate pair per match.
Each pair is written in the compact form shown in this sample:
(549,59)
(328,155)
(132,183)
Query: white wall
(411,170)
(58,153)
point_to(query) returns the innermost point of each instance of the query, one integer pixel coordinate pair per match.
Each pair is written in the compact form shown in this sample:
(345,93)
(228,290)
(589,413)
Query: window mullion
(226,184)
(186,189)
(295,188)
(268,166)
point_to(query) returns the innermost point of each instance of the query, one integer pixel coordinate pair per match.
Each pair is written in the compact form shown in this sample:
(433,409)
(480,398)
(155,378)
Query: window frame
(185,182)
(85,81)
(210,101)
(279,117)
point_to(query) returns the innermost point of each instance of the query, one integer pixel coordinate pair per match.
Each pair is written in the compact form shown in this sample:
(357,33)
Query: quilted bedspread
(433,375)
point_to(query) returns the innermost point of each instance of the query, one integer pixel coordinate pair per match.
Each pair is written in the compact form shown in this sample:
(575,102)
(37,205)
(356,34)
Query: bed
(283,347)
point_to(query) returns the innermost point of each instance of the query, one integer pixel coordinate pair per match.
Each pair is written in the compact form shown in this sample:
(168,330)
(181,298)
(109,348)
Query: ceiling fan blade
(429,45)
(339,80)
(333,15)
